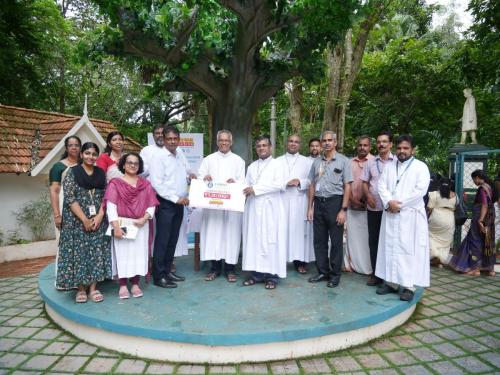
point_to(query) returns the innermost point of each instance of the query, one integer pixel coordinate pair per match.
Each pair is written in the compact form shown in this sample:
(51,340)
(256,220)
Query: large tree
(238,53)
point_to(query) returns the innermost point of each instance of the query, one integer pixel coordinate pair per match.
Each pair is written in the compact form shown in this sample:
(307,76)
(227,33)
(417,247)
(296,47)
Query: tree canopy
(237,53)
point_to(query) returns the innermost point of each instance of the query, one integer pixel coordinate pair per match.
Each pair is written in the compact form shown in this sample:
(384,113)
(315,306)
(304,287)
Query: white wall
(16,190)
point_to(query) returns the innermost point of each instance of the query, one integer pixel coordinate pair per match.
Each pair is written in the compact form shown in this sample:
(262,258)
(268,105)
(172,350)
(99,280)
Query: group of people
(295,211)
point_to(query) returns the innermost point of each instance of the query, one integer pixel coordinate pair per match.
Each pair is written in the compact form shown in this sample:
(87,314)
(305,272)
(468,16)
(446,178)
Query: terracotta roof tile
(21,127)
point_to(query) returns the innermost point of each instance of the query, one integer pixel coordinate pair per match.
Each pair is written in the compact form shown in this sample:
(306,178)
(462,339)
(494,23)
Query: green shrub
(35,215)
(14,238)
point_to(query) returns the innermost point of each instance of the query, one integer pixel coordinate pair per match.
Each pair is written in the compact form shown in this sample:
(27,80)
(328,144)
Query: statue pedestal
(477,160)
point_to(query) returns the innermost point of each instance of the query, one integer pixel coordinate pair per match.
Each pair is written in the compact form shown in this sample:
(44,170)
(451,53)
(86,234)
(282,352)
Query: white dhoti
(357,254)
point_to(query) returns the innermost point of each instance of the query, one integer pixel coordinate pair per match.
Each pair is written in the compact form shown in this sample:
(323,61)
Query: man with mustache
(357,254)
(328,196)
(264,236)
(371,174)
(314,148)
(403,252)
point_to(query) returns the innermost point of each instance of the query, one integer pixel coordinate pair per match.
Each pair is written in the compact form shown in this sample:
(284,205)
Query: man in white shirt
(264,241)
(169,178)
(296,184)
(403,252)
(220,234)
(148,152)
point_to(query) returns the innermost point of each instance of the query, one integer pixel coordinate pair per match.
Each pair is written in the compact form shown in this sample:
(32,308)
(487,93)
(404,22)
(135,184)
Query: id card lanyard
(398,177)
(91,207)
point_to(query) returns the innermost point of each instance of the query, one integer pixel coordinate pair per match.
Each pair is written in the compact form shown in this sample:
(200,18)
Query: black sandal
(231,277)
(249,282)
(270,284)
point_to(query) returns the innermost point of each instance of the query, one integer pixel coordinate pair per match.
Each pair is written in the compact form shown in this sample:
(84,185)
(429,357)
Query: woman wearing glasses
(130,203)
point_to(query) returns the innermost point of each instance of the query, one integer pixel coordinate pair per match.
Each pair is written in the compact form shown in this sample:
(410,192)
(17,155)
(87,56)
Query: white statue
(469,119)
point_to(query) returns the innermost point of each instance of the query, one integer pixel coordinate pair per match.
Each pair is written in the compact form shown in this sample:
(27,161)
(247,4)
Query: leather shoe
(333,283)
(165,283)
(385,289)
(406,295)
(173,277)
(319,277)
(374,280)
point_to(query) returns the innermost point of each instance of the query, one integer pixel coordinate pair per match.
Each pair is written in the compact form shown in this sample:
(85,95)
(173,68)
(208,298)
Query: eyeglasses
(76,145)
(132,163)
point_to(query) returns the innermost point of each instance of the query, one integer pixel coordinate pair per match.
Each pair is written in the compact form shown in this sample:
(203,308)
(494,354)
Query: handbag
(460,213)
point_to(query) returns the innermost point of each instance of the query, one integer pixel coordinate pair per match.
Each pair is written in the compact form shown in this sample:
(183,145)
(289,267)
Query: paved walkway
(456,330)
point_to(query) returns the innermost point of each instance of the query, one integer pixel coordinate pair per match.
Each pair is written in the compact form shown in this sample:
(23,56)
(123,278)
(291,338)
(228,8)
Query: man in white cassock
(403,252)
(296,183)
(264,236)
(220,234)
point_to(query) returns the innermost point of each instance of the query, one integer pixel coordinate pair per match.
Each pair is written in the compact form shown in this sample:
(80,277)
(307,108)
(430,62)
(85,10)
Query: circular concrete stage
(221,322)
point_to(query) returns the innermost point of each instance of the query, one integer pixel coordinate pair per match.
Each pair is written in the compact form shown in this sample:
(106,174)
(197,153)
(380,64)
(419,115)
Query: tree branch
(141,44)
(236,7)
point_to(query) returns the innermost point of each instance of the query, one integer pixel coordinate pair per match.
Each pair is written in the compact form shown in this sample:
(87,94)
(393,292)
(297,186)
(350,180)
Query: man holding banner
(220,233)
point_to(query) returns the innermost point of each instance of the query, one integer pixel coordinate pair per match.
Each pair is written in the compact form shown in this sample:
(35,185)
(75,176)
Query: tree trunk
(62,86)
(334,63)
(347,66)
(239,122)
(295,94)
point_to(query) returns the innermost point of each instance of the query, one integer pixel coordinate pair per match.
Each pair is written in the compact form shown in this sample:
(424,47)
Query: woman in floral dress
(84,253)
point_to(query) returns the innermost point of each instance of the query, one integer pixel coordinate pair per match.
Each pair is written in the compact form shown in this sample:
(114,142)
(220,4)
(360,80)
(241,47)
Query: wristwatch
(344,208)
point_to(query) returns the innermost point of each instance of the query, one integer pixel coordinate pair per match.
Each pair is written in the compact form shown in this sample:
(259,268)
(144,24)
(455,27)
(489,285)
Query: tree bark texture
(295,96)
(344,64)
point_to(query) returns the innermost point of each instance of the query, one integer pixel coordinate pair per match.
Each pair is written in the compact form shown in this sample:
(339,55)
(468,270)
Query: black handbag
(460,213)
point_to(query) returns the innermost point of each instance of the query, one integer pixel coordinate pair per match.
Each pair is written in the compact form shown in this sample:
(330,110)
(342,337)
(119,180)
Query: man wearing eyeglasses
(220,234)
(169,176)
(371,174)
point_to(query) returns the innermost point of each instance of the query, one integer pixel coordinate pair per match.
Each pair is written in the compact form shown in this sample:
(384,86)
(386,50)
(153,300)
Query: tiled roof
(27,136)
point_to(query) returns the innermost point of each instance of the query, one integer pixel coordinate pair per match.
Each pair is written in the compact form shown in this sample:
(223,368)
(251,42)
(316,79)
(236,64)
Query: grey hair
(364,136)
(224,131)
(328,132)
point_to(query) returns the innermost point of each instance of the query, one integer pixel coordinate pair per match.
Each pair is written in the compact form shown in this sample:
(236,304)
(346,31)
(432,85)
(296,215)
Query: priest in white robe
(220,234)
(296,183)
(264,237)
(403,252)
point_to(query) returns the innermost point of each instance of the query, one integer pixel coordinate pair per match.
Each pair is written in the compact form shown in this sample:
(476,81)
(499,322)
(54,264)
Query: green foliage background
(411,79)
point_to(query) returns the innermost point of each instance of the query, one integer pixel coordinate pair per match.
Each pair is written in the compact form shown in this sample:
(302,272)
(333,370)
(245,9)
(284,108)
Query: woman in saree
(84,255)
(108,160)
(131,199)
(70,158)
(477,251)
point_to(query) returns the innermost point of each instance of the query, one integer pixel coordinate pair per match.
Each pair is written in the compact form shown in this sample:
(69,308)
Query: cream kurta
(264,236)
(403,250)
(298,244)
(129,257)
(220,234)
